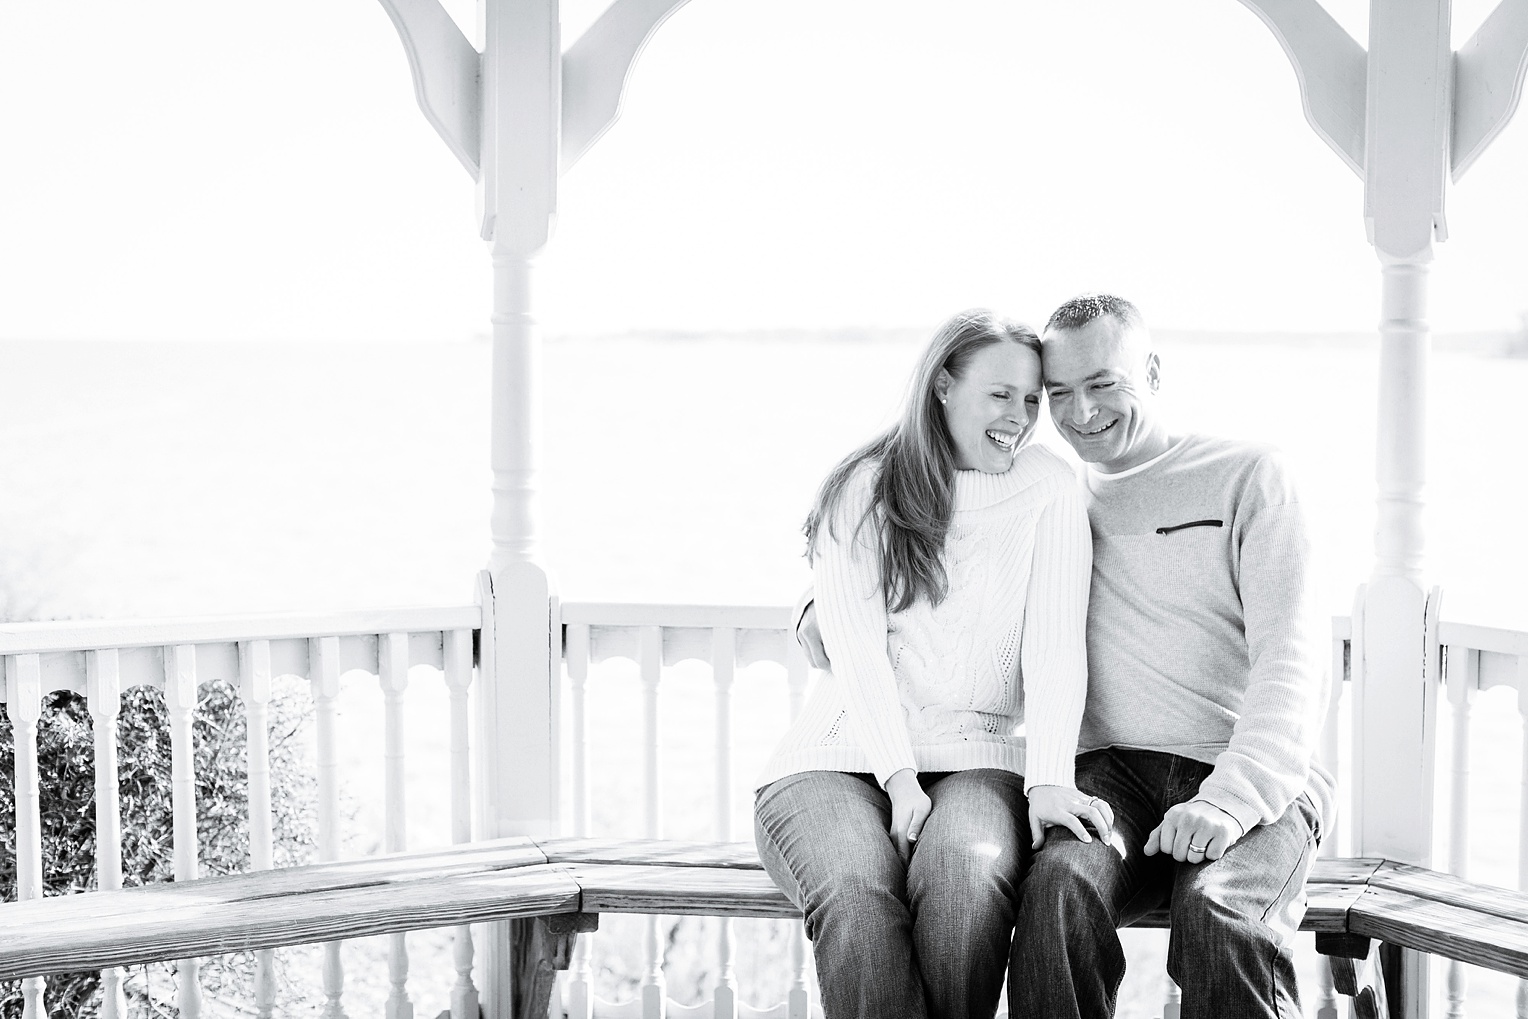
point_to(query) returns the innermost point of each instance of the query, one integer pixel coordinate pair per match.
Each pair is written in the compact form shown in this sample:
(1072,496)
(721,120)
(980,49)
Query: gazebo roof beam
(1332,69)
(596,67)
(1488,81)
(447,75)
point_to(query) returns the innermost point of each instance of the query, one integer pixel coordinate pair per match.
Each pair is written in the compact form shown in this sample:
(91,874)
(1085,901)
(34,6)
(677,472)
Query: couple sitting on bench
(1155,615)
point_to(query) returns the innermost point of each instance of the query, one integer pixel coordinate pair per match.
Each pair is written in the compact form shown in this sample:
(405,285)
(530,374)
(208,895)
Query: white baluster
(324,675)
(581,970)
(103,692)
(1463,681)
(1330,755)
(23,702)
(255,691)
(1522,826)
(180,699)
(797,1001)
(457,654)
(723,671)
(650,662)
(393,666)
(1172,1004)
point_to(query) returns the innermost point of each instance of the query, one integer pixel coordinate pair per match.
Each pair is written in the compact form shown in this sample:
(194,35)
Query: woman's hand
(1064,807)
(909,809)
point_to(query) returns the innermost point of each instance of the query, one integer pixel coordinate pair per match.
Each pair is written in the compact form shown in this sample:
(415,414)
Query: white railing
(1463,660)
(724,639)
(101,660)
(742,654)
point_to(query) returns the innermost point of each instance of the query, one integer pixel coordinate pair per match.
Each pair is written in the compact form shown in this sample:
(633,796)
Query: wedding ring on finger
(1192,849)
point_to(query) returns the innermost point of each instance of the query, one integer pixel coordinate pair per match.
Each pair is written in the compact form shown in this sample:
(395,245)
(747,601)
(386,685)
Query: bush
(66,761)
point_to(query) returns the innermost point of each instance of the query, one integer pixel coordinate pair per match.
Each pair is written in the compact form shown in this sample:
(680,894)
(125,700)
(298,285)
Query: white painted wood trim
(324,675)
(72,635)
(595,70)
(23,682)
(458,675)
(1522,822)
(1484,638)
(723,673)
(654,988)
(1463,676)
(447,75)
(393,673)
(255,691)
(1406,135)
(103,693)
(738,617)
(522,96)
(1331,67)
(1488,82)
(180,698)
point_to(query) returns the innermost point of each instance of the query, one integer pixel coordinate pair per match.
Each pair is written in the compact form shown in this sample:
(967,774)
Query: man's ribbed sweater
(1202,635)
(945,687)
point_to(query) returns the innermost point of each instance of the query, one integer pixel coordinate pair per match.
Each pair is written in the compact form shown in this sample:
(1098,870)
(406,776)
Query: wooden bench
(1363,911)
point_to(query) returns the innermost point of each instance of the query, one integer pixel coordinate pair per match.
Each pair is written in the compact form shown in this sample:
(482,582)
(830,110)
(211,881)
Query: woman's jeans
(1233,919)
(929,938)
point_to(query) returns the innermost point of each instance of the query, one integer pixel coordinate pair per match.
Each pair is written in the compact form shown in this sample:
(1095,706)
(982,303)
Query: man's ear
(1153,371)
(942,383)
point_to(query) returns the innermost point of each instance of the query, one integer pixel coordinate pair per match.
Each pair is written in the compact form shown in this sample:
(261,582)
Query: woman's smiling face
(992,406)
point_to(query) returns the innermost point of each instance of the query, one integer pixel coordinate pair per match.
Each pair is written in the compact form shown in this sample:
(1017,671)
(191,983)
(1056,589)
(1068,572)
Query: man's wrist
(1239,826)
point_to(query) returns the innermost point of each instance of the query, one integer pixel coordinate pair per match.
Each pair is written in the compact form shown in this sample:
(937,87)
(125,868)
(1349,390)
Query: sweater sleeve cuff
(1244,814)
(1048,768)
(885,769)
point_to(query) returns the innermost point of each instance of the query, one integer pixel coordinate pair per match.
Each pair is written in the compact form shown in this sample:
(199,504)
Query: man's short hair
(1084,308)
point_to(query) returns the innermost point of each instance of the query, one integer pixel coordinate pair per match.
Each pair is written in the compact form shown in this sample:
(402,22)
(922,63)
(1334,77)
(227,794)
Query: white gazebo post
(1408,117)
(1401,115)
(515,115)
(517,719)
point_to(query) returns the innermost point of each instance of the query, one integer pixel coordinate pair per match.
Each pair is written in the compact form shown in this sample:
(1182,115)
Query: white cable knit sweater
(946,687)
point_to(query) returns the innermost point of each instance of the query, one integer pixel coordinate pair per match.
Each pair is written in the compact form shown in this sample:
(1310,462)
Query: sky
(185,169)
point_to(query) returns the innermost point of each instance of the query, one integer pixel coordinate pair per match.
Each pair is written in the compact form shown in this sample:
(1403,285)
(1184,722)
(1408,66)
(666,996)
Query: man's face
(1101,379)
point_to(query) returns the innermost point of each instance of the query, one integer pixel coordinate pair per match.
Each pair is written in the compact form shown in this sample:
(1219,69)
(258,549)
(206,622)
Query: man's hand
(1055,806)
(1194,832)
(810,638)
(909,809)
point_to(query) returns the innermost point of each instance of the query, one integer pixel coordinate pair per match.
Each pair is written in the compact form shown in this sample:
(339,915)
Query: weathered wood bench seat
(555,888)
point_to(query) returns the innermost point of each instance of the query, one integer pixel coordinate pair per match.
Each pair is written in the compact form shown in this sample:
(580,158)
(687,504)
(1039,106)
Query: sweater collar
(979,489)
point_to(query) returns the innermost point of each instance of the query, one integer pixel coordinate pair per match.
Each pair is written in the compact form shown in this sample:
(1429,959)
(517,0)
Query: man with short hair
(1205,700)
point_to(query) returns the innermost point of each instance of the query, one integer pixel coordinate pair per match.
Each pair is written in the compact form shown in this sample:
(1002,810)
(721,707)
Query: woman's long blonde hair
(914,490)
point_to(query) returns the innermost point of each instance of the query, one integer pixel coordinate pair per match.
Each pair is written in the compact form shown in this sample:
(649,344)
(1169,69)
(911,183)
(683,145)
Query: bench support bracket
(542,945)
(1361,970)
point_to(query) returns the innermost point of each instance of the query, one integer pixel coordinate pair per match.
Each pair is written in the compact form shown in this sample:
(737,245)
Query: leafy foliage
(66,765)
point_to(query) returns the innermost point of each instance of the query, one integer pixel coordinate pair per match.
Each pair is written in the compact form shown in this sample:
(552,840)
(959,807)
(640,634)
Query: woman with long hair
(950,563)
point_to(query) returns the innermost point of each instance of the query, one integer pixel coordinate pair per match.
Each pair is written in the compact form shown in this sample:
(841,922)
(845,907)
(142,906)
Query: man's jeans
(927,939)
(1233,919)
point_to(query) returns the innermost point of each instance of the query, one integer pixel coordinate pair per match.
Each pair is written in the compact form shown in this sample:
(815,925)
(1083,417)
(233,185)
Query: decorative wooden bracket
(447,75)
(542,946)
(596,67)
(1488,81)
(1331,67)
(1360,969)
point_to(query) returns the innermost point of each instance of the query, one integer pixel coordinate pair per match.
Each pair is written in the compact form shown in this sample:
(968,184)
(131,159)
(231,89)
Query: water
(170,479)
